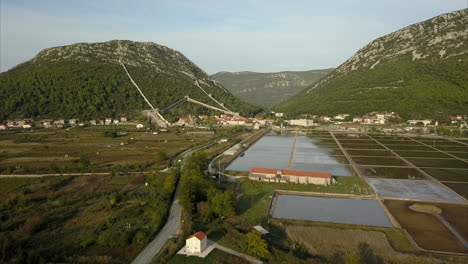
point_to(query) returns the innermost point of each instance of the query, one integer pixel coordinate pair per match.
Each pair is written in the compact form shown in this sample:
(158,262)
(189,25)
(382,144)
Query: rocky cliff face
(418,71)
(268,89)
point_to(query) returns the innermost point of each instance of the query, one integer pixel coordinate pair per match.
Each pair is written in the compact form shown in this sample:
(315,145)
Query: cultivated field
(331,242)
(92,150)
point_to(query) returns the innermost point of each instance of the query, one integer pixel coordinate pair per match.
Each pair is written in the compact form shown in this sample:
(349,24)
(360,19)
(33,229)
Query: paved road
(171,228)
(173,224)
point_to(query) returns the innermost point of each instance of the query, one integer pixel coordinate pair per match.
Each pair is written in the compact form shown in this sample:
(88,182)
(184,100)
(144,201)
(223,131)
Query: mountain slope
(86,80)
(268,89)
(418,71)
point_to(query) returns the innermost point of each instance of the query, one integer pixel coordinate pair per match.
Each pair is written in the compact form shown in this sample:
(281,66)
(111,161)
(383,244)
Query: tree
(256,245)
(222,203)
(255,189)
(205,212)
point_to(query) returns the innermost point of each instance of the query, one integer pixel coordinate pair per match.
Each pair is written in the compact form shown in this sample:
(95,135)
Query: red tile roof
(264,170)
(198,235)
(307,173)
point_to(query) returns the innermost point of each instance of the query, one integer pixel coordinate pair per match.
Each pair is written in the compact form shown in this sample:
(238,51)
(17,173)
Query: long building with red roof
(294,176)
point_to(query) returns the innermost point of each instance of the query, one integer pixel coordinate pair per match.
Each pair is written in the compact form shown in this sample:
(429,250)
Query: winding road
(173,224)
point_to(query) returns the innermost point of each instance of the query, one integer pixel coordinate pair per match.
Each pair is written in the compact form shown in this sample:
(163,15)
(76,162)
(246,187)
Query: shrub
(256,245)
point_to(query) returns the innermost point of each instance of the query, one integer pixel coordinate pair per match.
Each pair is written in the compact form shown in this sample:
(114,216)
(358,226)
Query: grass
(10,184)
(59,150)
(327,241)
(67,215)
(396,237)
(215,256)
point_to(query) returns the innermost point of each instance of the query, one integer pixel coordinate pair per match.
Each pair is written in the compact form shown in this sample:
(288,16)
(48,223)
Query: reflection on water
(336,210)
(274,151)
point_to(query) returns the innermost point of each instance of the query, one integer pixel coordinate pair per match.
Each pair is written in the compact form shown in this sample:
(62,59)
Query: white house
(279,114)
(108,121)
(301,122)
(425,122)
(196,243)
(72,122)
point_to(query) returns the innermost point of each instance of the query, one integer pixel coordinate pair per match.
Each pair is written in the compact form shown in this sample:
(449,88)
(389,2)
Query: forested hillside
(420,71)
(86,81)
(268,89)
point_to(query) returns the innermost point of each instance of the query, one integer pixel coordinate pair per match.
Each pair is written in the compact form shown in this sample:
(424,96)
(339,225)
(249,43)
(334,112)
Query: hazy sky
(217,35)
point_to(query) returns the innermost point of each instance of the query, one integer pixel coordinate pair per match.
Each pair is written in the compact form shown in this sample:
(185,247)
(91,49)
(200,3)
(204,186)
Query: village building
(293,176)
(301,122)
(325,118)
(108,121)
(357,119)
(351,128)
(139,126)
(59,123)
(92,122)
(425,122)
(10,123)
(3,127)
(123,119)
(46,123)
(341,116)
(238,121)
(196,243)
(279,114)
(72,122)
(380,116)
(27,125)
(115,122)
(183,121)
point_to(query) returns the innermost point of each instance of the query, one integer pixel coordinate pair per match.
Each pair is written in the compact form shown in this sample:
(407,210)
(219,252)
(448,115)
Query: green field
(93,150)
(10,184)
(88,218)
(216,256)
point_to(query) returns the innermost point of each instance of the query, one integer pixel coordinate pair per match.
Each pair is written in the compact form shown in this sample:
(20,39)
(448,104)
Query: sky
(217,35)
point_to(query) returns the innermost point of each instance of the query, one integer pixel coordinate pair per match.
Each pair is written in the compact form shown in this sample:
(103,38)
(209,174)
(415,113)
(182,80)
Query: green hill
(268,89)
(418,71)
(86,81)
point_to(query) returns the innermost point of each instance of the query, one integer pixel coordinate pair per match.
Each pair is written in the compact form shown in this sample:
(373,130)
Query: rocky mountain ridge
(423,65)
(87,80)
(268,89)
